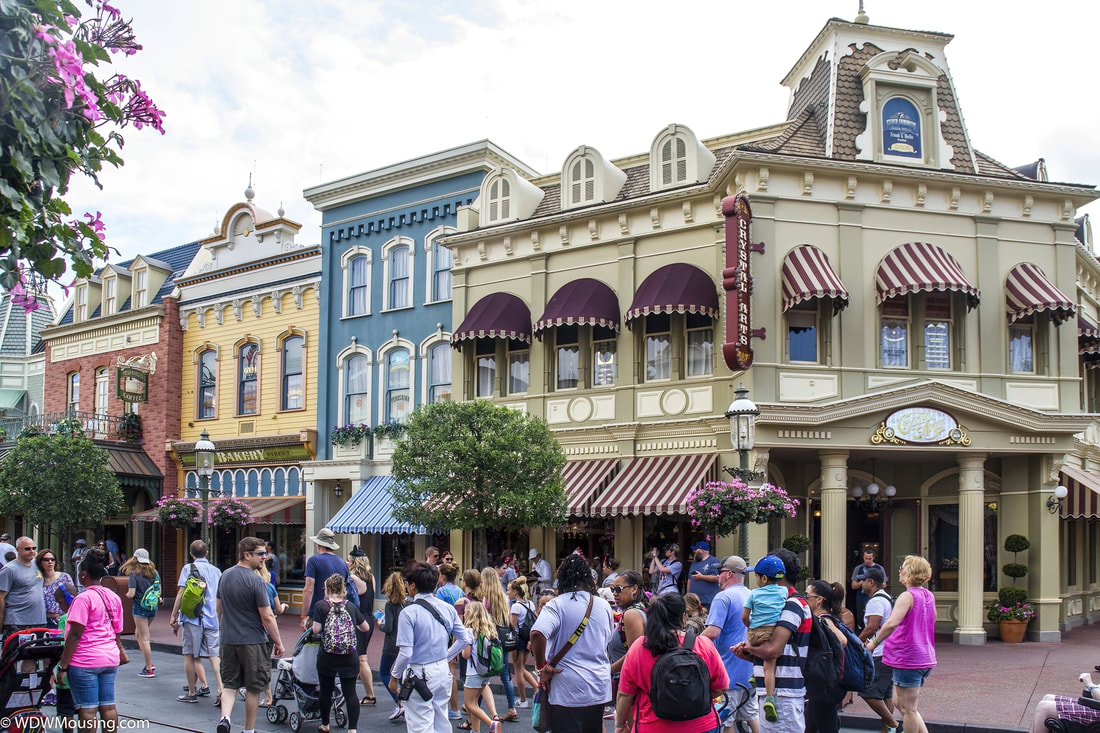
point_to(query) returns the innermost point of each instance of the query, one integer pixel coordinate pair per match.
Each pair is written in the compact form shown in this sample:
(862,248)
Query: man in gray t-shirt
(22,604)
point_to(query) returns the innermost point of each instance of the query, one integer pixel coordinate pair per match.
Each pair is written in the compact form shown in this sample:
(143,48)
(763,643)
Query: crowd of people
(590,638)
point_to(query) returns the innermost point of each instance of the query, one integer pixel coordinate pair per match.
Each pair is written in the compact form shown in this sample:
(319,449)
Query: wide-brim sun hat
(325,538)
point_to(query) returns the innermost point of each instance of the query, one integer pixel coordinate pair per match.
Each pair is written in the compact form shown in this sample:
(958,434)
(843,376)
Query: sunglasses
(620,588)
(260,554)
(28,549)
(49,559)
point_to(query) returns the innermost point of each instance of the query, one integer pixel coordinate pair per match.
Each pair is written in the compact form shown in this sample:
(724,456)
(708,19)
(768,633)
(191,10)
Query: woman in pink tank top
(910,639)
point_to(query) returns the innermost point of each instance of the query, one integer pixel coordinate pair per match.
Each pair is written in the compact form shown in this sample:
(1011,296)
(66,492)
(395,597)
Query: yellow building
(249,310)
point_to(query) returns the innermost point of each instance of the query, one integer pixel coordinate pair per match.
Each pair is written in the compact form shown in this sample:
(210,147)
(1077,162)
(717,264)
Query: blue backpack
(859,664)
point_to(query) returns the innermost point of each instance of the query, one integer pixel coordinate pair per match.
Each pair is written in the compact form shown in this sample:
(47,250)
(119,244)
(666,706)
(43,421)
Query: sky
(300,93)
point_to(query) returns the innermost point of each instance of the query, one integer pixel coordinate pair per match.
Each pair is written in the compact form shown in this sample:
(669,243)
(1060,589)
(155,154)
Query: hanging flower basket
(725,505)
(349,435)
(229,514)
(129,427)
(178,513)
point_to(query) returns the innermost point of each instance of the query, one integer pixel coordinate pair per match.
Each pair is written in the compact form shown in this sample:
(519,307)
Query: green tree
(59,114)
(60,480)
(474,465)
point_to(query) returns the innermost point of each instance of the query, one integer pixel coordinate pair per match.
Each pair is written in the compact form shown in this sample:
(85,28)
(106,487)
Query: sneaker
(223,725)
(770,713)
(397,714)
(199,691)
(187,698)
(609,714)
(452,715)
(147,672)
(50,698)
(522,704)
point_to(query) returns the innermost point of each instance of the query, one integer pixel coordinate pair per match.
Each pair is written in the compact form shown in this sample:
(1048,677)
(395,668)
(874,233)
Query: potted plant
(391,430)
(69,426)
(1010,612)
(1011,620)
(3,434)
(349,435)
(230,513)
(178,513)
(129,427)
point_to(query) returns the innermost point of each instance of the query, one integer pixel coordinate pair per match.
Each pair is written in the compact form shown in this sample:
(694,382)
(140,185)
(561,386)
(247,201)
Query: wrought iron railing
(93,425)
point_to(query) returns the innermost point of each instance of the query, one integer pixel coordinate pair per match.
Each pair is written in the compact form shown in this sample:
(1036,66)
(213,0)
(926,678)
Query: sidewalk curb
(852,721)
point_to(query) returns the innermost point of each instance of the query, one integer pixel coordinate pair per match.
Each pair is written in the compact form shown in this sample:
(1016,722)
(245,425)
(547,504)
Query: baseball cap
(81,542)
(142,556)
(533,553)
(875,574)
(5,537)
(701,545)
(769,566)
(735,563)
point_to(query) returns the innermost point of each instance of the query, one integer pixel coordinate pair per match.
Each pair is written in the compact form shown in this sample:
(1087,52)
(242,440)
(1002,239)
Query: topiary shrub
(1010,595)
(1014,570)
(1016,543)
(797,543)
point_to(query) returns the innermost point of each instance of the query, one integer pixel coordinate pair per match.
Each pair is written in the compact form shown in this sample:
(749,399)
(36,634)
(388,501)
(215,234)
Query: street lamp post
(742,414)
(204,465)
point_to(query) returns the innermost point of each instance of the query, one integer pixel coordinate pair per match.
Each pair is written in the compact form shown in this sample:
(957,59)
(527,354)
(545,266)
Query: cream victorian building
(249,310)
(924,313)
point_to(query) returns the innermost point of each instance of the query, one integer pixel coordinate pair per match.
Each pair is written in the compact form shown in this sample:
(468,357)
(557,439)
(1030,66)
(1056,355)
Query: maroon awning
(1028,290)
(584,302)
(807,274)
(917,267)
(498,315)
(678,288)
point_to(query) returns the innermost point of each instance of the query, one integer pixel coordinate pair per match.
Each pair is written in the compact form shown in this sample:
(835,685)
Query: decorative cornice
(281,258)
(126,320)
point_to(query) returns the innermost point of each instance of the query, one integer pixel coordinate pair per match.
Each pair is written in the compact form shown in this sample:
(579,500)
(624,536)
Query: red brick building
(115,352)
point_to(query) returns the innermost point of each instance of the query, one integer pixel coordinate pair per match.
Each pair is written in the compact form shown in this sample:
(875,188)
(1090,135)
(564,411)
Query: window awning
(132,462)
(917,267)
(1083,500)
(10,398)
(370,510)
(585,302)
(1028,290)
(655,485)
(1086,329)
(497,315)
(677,288)
(807,274)
(265,510)
(583,480)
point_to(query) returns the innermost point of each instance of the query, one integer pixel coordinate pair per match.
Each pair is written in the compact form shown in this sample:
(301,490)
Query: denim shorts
(92,687)
(910,677)
(142,612)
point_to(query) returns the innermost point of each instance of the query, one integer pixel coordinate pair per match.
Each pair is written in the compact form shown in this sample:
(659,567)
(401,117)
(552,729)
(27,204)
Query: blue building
(384,341)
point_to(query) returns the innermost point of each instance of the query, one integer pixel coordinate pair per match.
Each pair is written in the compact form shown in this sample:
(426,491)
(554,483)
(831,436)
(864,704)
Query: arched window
(439,371)
(248,380)
(292,396)
(357,390)
(74,391)
(500,195)
(673,161)
(358,285)
(400,291)
(208,384)
(582,181)
(398,396)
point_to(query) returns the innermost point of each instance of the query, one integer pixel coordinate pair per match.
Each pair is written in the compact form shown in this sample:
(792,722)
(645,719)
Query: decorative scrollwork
(957,436)
(885,434)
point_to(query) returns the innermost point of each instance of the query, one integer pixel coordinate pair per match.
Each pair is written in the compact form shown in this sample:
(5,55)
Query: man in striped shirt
(789,646)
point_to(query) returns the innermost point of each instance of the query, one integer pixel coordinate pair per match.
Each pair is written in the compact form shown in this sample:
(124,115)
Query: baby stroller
(27,659)
(297,680)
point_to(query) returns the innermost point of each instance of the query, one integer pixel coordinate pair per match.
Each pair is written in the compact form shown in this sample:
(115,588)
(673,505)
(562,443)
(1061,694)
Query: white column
(834,515)
(971,548)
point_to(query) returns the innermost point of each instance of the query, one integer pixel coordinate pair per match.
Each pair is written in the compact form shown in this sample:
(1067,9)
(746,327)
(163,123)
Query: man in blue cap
(704,573)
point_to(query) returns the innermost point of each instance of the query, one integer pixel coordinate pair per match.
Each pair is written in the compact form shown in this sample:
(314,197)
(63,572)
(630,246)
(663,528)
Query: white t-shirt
(879,605)
(519,610)
(585,670)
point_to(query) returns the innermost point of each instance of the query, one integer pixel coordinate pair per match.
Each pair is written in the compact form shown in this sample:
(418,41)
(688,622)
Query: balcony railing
(95,426)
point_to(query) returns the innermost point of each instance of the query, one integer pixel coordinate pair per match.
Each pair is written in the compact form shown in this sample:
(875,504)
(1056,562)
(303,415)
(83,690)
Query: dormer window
(676,158)
(141,296)
(506,196)
(589,179)
(81,303)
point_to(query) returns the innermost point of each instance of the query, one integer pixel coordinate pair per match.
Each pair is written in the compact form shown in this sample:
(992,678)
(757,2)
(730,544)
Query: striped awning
(583,480)
(1086,329)
(807,274)
(584,302)
(917,267)
(656,485)
(265,510)
(370,511)
(1083,500)
(1028,290)
(132,462)
(678,288)
(497,315)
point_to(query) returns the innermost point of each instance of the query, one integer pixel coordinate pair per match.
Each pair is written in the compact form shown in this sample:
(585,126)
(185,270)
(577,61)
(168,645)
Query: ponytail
(664,619)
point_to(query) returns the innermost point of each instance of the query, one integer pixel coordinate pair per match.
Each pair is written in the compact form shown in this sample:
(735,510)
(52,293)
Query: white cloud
(301,93)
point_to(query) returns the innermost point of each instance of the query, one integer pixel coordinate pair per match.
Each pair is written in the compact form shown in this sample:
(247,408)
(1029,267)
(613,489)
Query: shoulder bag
(540,714)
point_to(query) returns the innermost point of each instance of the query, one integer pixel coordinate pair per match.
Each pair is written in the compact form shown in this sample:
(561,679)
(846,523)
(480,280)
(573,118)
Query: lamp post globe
(742,414)
(204,466)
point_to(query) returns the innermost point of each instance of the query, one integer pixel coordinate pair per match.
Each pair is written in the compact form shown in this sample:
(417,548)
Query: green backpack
(489,656)
(194,595)
(150,599)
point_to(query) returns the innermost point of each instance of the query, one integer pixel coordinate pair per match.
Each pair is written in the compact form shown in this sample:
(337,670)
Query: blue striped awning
(370,510)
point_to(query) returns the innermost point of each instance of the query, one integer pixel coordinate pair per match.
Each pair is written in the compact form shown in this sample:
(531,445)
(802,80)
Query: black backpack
(526,625)
(824,665)
(679,686)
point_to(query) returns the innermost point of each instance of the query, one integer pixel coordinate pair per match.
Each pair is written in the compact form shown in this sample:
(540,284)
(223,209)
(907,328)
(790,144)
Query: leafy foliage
(1014,569)
(1010,595)
(59,114)
(349,434)
(472,465)
(230,513)
(1013,612)
(1016,543)
(59,480)
(178,513)
(797,543)
(726,505)
(129,427)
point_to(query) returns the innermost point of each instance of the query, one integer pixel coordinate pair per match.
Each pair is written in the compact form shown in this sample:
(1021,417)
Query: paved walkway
(991,687)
